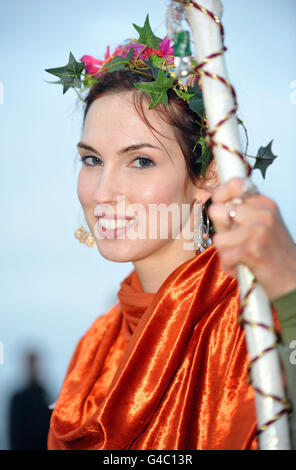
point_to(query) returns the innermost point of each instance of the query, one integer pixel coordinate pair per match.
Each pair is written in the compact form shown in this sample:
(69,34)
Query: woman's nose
(108,187)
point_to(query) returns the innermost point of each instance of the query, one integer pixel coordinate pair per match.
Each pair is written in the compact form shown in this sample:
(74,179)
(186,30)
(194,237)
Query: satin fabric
(161,371)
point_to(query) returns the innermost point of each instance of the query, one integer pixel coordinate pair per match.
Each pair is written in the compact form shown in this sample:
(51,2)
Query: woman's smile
(113,228)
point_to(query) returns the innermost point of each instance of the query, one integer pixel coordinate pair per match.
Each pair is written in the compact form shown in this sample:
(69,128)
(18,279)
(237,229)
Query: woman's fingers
(235,189)
(226,217)
(230,190)
(245,246)
(251,232)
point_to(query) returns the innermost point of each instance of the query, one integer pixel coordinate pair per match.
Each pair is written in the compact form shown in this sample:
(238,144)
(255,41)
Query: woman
(166,367)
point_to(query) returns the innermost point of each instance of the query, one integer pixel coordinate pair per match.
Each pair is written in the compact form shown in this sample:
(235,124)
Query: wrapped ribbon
(223,136)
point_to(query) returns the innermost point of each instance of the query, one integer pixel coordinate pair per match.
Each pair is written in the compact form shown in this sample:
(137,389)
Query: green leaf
(264,158)
(156,61)
(157,89)
(146,35)
(58,82)
(89,81)
(120,63)
(182,94)
(153,69)
(196,102)
(205,157)
(70,74)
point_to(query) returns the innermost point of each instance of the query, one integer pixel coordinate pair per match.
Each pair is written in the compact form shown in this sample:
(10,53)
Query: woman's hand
(256,237)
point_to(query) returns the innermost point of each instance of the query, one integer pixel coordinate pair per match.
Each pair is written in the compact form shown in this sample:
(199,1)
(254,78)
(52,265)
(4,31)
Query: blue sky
(52,288)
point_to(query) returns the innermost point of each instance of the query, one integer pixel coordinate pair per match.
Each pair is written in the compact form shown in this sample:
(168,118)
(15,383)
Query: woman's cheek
(158,193)
(85,189)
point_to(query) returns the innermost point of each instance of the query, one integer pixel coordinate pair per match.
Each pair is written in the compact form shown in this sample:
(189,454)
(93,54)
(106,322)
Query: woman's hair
(186,123)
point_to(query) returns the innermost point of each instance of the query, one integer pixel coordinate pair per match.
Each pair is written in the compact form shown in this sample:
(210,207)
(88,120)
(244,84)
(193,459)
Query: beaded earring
(83,235)
(201,229)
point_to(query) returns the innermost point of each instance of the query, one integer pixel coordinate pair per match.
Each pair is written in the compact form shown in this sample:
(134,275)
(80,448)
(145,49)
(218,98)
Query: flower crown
(170,67)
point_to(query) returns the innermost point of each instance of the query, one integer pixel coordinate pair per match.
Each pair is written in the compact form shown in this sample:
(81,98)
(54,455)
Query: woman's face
(126,169)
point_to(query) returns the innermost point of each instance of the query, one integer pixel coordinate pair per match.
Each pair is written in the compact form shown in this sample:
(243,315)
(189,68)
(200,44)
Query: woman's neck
(156,268)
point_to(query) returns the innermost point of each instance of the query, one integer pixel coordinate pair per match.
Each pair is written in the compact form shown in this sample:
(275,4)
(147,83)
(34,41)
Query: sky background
(52,287)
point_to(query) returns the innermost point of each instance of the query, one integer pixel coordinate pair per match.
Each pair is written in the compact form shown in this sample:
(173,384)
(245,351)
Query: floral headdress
(157,59)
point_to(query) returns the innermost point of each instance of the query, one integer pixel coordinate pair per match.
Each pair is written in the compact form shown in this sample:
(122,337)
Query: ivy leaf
(156,61)
(58,82)
(182,94)
(196,102)
(89,81)
(146,35)
(153,69)
(264,158)
(205,157)
(70,74)
(157,89)
(120,63)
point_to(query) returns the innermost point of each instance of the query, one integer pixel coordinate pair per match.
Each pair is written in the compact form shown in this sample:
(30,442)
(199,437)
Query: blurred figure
(29,413)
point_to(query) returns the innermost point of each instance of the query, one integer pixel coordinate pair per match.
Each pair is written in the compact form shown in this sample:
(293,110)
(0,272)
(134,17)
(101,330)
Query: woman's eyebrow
(130,148)
(82,145)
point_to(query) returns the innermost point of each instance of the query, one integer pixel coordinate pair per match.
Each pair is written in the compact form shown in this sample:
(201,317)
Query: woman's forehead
(115,114)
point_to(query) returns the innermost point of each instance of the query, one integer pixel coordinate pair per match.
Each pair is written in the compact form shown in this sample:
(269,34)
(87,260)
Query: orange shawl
(161,371)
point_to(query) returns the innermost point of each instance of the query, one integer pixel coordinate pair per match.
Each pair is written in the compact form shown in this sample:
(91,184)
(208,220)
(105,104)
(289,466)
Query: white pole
(218,101)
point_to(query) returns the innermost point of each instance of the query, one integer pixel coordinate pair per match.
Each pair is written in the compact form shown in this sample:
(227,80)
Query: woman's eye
(90,160)
(145,162)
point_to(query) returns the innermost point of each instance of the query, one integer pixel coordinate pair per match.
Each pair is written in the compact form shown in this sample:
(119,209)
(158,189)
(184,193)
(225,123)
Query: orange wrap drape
(161,371)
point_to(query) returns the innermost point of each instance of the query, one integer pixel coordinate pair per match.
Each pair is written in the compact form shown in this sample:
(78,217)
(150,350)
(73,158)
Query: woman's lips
(102,232)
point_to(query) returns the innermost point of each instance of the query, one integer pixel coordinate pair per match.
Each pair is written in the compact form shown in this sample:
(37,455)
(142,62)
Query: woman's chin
(121,251)
(118,252)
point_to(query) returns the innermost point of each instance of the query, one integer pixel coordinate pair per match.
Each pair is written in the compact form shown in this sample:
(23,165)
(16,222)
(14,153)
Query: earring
(201,230)
(85,237)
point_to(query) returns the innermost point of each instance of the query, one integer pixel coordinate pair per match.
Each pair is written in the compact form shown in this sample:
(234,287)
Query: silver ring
(231,215)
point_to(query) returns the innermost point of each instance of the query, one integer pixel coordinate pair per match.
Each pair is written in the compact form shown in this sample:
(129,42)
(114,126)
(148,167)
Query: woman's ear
(211,179)
(204,188)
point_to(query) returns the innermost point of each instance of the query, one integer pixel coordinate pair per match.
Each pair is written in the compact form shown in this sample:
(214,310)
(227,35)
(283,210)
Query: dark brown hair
(186,123)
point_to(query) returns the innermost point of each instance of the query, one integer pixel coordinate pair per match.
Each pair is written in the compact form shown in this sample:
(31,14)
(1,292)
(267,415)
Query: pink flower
(91,64)
(137,49)
(165,47)
(141,52)
(165,51)
(122,51)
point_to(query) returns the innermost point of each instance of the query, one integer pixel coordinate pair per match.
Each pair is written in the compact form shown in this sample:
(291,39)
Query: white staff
(219,102)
